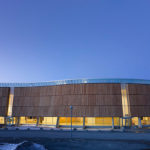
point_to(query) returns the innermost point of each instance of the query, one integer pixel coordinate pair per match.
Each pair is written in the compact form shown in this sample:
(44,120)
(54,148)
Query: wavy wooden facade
(87,99)
(90,100)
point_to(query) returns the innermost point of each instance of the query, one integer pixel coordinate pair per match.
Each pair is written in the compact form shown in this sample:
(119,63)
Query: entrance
(10,120)
(126,122)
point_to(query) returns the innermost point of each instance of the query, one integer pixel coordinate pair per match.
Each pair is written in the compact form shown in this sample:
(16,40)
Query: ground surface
(89,140)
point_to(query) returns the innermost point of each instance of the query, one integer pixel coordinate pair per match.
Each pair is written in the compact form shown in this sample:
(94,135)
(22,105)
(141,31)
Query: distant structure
(96,103)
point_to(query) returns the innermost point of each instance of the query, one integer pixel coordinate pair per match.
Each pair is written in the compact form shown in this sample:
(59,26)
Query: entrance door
(126,122)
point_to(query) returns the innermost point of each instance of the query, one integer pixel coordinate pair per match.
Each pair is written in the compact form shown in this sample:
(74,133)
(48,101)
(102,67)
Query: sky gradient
(70,39)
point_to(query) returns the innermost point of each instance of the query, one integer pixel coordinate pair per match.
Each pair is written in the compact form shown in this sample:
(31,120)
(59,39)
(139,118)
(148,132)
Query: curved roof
(76,81)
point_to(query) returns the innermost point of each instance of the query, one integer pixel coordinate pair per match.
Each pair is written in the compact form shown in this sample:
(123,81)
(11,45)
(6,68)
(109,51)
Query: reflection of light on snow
(8,146)
(38,146)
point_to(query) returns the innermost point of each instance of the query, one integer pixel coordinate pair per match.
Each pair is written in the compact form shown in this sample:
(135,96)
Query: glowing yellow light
(125,100)
(10,102)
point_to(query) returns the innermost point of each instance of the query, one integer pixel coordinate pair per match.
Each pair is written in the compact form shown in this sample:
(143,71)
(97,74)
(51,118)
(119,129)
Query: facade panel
(90,100)
(139,96)
(4,96)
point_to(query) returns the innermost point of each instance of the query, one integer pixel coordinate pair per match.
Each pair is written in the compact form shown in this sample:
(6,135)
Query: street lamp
(71,108)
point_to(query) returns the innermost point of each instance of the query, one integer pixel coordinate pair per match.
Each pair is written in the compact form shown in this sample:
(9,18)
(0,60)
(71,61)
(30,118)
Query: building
(95,103)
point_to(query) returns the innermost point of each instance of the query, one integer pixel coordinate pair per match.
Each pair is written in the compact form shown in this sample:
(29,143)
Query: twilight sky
(44,40)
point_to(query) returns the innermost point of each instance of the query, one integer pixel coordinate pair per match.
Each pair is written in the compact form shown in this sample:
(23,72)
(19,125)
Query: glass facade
(98,121)
(2,121)
(10,102)
(76,121)
(101,121)
(42,120)
(47,120)
(135,121)
(145,121)
(125,100)
(28,120)
(8,120)
(89,121)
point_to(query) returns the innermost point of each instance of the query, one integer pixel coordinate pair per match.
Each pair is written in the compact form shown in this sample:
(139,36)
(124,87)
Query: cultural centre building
(95,103)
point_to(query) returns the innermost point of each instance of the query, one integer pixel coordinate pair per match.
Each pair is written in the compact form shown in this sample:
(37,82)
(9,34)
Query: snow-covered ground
(56,139)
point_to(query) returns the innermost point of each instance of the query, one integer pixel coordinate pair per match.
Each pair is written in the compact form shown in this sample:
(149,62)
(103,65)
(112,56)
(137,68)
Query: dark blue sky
(44,40)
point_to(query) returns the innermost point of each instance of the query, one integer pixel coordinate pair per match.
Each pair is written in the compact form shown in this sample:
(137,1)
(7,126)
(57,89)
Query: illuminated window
(117,121)
(101,121)
(1,120)
(125,100)
(48,120)
(10,102)
(76,121)
(28,120)
(145,120)
(135,121)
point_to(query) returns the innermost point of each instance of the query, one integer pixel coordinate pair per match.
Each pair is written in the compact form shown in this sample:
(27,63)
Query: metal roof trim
(76,81)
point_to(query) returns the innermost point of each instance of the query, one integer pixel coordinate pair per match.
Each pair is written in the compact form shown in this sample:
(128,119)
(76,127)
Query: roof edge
(76,81)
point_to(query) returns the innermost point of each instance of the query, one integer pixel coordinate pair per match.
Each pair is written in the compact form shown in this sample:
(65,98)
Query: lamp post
(71,108)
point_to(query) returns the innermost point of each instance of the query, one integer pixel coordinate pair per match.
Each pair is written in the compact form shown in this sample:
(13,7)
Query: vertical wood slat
(139,96)
(87,100)
(4,96)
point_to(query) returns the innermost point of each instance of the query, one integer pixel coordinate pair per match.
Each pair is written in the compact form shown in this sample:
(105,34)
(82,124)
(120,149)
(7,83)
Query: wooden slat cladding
(4,96)
(140,111)
(139,89)
(4,91)
(3,111)
(79,89)
(139,96)
(139,100)
(103,89)
(73,89)
(64,111)
(87,100)
(76,100)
